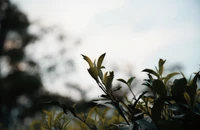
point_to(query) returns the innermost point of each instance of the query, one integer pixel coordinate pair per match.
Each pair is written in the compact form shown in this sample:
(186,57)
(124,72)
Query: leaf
(65,125)
(100,60)
(148,85)
(169,76)
(150,77)
(151,72)
(178,88)
(135,103)
(191,90)
(88,60)
(122,80)
(130,81)
(100,74)
(157,108)
(187,98)
(161,66)
(159,87)
(117,88)
(93,72)
(109,80)
(105,78)
(57,118)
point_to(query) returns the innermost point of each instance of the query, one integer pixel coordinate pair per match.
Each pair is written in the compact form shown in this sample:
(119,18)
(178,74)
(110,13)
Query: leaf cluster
(165,106)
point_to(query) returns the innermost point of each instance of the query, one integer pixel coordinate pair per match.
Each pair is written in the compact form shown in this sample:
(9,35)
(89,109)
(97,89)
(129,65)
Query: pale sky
(133,33)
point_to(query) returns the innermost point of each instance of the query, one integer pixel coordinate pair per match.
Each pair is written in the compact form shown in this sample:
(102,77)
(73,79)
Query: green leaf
(169,76)
(130,81)
(65,125)
(151,72)
(100,74)
(93,72)
(187,98)
(159,87)
(88,60)
(105,78)
(109,81)
(100,60)
(161,66)
(122,80)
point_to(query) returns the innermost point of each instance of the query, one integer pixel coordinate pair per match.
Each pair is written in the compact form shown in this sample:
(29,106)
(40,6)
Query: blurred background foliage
(21,83)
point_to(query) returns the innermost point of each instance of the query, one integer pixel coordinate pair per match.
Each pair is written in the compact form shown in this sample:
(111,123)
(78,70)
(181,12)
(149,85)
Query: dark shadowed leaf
(157,108)
(191,90)
(178,88)
(122,80)
(130,81)
(159,87)
(135,103)
(151,72)
(93,72)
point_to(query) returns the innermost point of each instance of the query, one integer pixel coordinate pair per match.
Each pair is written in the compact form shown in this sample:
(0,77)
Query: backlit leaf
(93,72)
(161,66)
(100,60)
(169,76)
(88,60)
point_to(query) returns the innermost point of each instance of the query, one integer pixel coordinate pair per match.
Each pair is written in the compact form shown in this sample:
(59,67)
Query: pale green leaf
(100,60)
(93,72)
(88,60)
(169,76)
(161,66)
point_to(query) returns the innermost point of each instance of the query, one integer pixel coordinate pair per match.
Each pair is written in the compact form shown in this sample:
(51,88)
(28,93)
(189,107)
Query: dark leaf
(159,87)
(178,88)
(191,90)
(151,72)
(157,108)
(122,80)
(130,81)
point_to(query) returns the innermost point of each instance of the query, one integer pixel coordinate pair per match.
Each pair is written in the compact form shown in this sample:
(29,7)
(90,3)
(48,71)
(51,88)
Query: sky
(134,34)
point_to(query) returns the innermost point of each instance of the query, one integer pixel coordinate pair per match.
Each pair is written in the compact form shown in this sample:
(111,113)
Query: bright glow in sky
(131,32)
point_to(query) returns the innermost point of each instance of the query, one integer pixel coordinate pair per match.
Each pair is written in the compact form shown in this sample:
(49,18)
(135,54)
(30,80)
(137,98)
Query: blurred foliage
(21,84)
